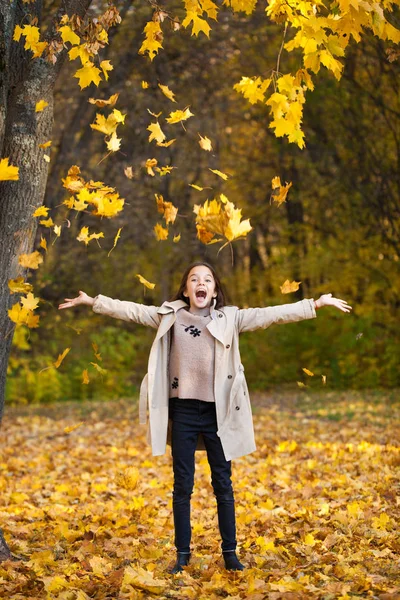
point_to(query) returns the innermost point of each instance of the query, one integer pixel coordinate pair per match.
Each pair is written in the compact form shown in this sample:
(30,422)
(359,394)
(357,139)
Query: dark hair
(220,299)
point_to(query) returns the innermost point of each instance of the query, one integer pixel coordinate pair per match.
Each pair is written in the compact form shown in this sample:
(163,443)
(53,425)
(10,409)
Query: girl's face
(200,288)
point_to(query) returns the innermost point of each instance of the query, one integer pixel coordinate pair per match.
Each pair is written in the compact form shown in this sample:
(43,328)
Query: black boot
(181,560)
(232,563)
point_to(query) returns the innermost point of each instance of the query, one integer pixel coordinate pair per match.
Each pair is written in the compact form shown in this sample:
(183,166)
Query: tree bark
(23,82)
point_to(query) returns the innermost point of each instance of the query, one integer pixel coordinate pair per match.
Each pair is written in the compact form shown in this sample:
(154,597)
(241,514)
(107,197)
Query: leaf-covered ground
(317,504)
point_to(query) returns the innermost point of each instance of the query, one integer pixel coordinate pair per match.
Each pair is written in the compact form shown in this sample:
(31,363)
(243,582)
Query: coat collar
(176,305)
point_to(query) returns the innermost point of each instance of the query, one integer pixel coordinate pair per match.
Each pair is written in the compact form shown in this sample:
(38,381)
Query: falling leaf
(219,173)
(19,286)
(221,218)
(167,92)
(176,238)
(41,211)
(301,384)
(106,66)
(30,302)
(166,208)
(197,187)
(30,261)
(129,172)
(146,283)
(166,144)
(112,100)
(41,105)
(156,115)
(45,144)
(99,369)
(88,74)
(61,357)
(179,115)
(145,85)
(84,236)
(114,143)
(205,143)
(8,172)
(156,133)
(85,377)
(279,191)
(57,230)
(323,379)
(160,232)
(289,286)
(150,163)
(164,170)
(307,372)
(43,243)
(72,427)
(118,235)
(46,157)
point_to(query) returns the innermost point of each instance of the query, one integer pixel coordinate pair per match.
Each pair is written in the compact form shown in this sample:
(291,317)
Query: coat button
(220,316)
(237,407)
(229,376)
(228,346)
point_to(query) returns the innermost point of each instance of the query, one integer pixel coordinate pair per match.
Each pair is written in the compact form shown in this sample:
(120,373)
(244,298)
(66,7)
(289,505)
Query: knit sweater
(191,362)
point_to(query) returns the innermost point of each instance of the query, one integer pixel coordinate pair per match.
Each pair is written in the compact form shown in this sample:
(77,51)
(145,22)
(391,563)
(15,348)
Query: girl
(195,389)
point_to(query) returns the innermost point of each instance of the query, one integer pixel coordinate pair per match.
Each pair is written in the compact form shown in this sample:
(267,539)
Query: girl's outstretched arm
(119,309)
(329,300)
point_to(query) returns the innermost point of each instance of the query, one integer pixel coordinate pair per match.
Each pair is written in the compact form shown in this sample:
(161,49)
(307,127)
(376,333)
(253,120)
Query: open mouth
(201,294)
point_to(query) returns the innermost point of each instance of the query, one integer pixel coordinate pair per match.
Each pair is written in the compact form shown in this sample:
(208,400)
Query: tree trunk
(23,82)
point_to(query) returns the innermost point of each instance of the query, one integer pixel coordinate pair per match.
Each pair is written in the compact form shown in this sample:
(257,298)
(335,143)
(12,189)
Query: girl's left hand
(329,300)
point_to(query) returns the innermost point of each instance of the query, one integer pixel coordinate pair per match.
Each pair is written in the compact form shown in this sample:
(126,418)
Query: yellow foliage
(8,172)
(289,286)
(146,283)
(152,42)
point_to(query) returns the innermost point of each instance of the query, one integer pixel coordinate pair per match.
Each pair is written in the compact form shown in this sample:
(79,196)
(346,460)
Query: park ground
(87,510)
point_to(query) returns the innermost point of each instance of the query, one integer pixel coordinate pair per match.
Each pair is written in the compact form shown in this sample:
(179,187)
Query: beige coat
(233,408)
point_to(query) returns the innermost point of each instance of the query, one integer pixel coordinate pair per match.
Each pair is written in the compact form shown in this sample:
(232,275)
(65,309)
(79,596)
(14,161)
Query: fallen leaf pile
(87,510)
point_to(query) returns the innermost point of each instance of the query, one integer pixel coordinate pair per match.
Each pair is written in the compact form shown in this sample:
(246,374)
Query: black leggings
(189,418)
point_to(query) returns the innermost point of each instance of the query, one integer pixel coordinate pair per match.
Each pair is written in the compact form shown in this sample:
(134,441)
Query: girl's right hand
(81,299)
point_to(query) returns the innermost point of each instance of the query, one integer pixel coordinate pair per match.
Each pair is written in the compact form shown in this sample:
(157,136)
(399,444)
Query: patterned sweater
(191,363)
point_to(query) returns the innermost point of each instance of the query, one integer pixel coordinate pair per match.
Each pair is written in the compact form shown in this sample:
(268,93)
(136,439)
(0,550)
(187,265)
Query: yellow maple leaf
(176,238)
(167,92)
(30,261)
(114,143)
(139,578)
(43,243)
(179,115)
(289,286)
(150,163)
(164,170)
(160,232)
(68,35)
(30,302)
(98,368)
(220,218)
(42,211)
(219,173)
(85,377)
(146,283)
(117,236)
(308,372)
(61,357)
(152,42)
(41,105)
(199,24)
(205,143)
(106,66)
(18,286)
(145,85)
(8,172)
(112,100)
(18,314)
(47,222)
(280,191)
(166,144)
(57,230)
(88,74)
(253,89)
(156,132)
(309,540)
(81,52)
(166,208)
(84,236)
(70,428)
(45,144)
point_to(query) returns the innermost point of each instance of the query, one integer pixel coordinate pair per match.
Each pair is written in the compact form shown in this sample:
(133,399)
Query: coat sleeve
(249,319)
(127,311)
